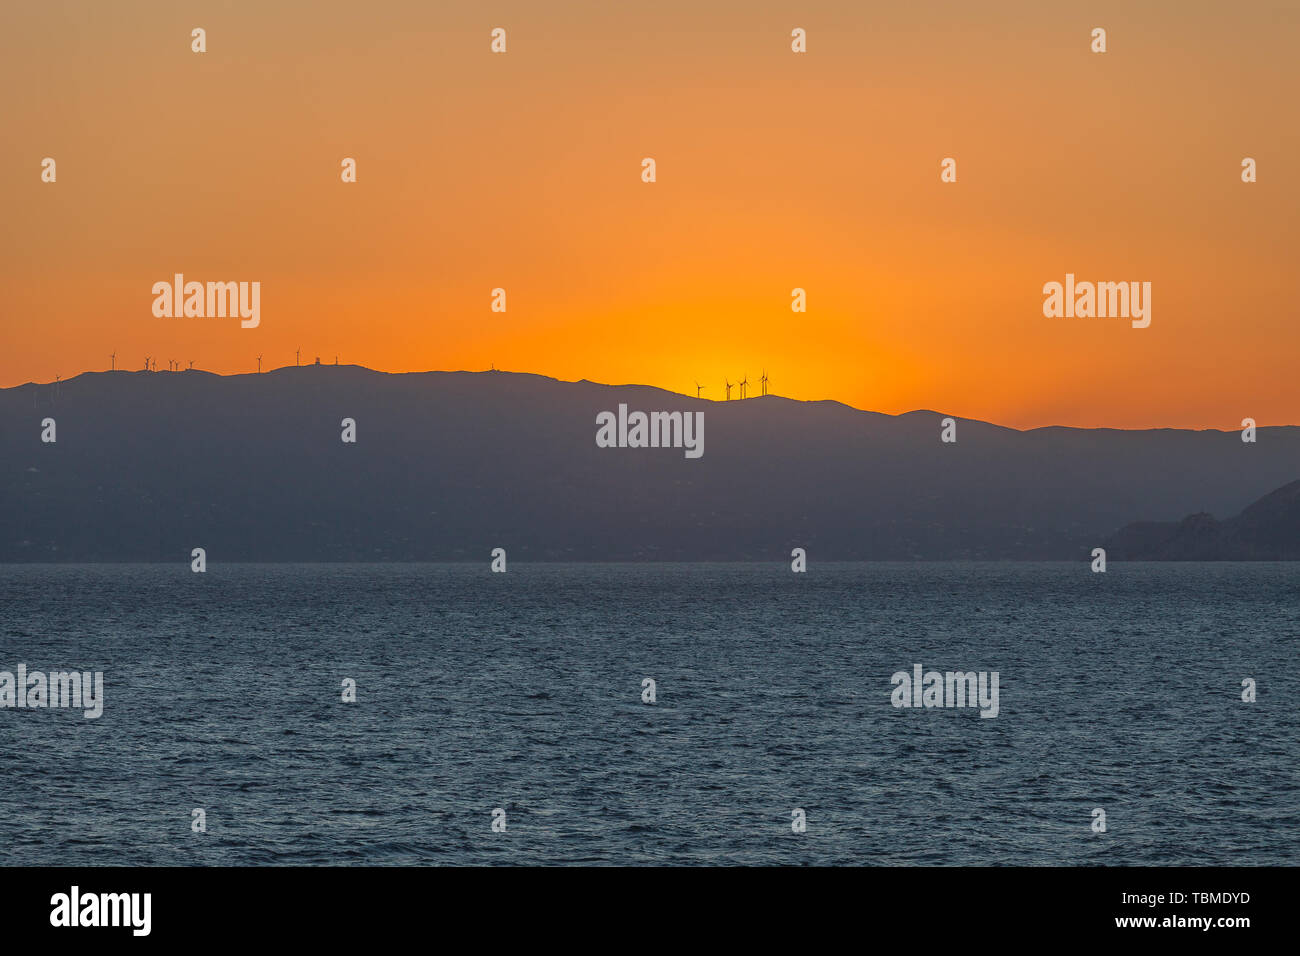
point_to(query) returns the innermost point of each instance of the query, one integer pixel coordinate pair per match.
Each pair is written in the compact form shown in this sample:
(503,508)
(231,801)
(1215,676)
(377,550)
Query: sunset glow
(775,171)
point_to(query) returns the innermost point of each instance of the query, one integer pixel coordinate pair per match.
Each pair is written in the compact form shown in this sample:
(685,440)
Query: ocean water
(1119,691)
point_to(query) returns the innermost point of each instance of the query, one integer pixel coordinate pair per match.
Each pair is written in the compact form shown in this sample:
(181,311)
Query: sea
(509,719)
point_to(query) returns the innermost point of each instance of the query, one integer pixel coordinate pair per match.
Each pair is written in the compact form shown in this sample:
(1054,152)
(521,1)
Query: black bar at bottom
(338,905)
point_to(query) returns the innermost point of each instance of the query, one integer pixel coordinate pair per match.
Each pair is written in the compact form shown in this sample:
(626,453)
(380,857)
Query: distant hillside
(1269,530)
(449,465)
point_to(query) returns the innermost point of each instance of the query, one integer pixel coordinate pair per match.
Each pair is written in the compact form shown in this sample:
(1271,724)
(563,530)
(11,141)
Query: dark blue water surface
(522,690)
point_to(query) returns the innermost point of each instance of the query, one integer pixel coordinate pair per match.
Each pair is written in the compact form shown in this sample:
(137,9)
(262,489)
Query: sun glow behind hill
(775,171)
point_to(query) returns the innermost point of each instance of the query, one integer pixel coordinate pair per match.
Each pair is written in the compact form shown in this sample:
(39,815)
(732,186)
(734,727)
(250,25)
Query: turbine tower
(744,383)
(763,381)
(259,365)
(728,390)
(698,388)
(191,364)
(146,363)
(113,359)
(296,354)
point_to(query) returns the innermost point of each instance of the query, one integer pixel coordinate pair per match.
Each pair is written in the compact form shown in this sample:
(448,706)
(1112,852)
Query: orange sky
(775,170)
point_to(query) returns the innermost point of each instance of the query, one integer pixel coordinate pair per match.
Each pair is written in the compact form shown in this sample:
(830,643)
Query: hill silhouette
(448,465)
(1268,530)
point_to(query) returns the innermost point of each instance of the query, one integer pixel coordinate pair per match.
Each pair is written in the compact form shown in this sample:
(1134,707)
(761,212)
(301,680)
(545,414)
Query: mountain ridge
(448,465)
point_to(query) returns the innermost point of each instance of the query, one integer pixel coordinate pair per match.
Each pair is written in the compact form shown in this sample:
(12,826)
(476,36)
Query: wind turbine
(763,380)
(698,387)
(146,363)
(728,390)
(259,365)
(296,354)
(191,364)
(744,383)
(113,358)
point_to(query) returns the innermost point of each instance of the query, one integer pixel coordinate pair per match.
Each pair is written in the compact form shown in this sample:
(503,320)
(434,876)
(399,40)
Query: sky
(775,170)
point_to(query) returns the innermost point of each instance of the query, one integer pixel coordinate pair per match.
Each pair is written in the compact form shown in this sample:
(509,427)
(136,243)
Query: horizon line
(582,381)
